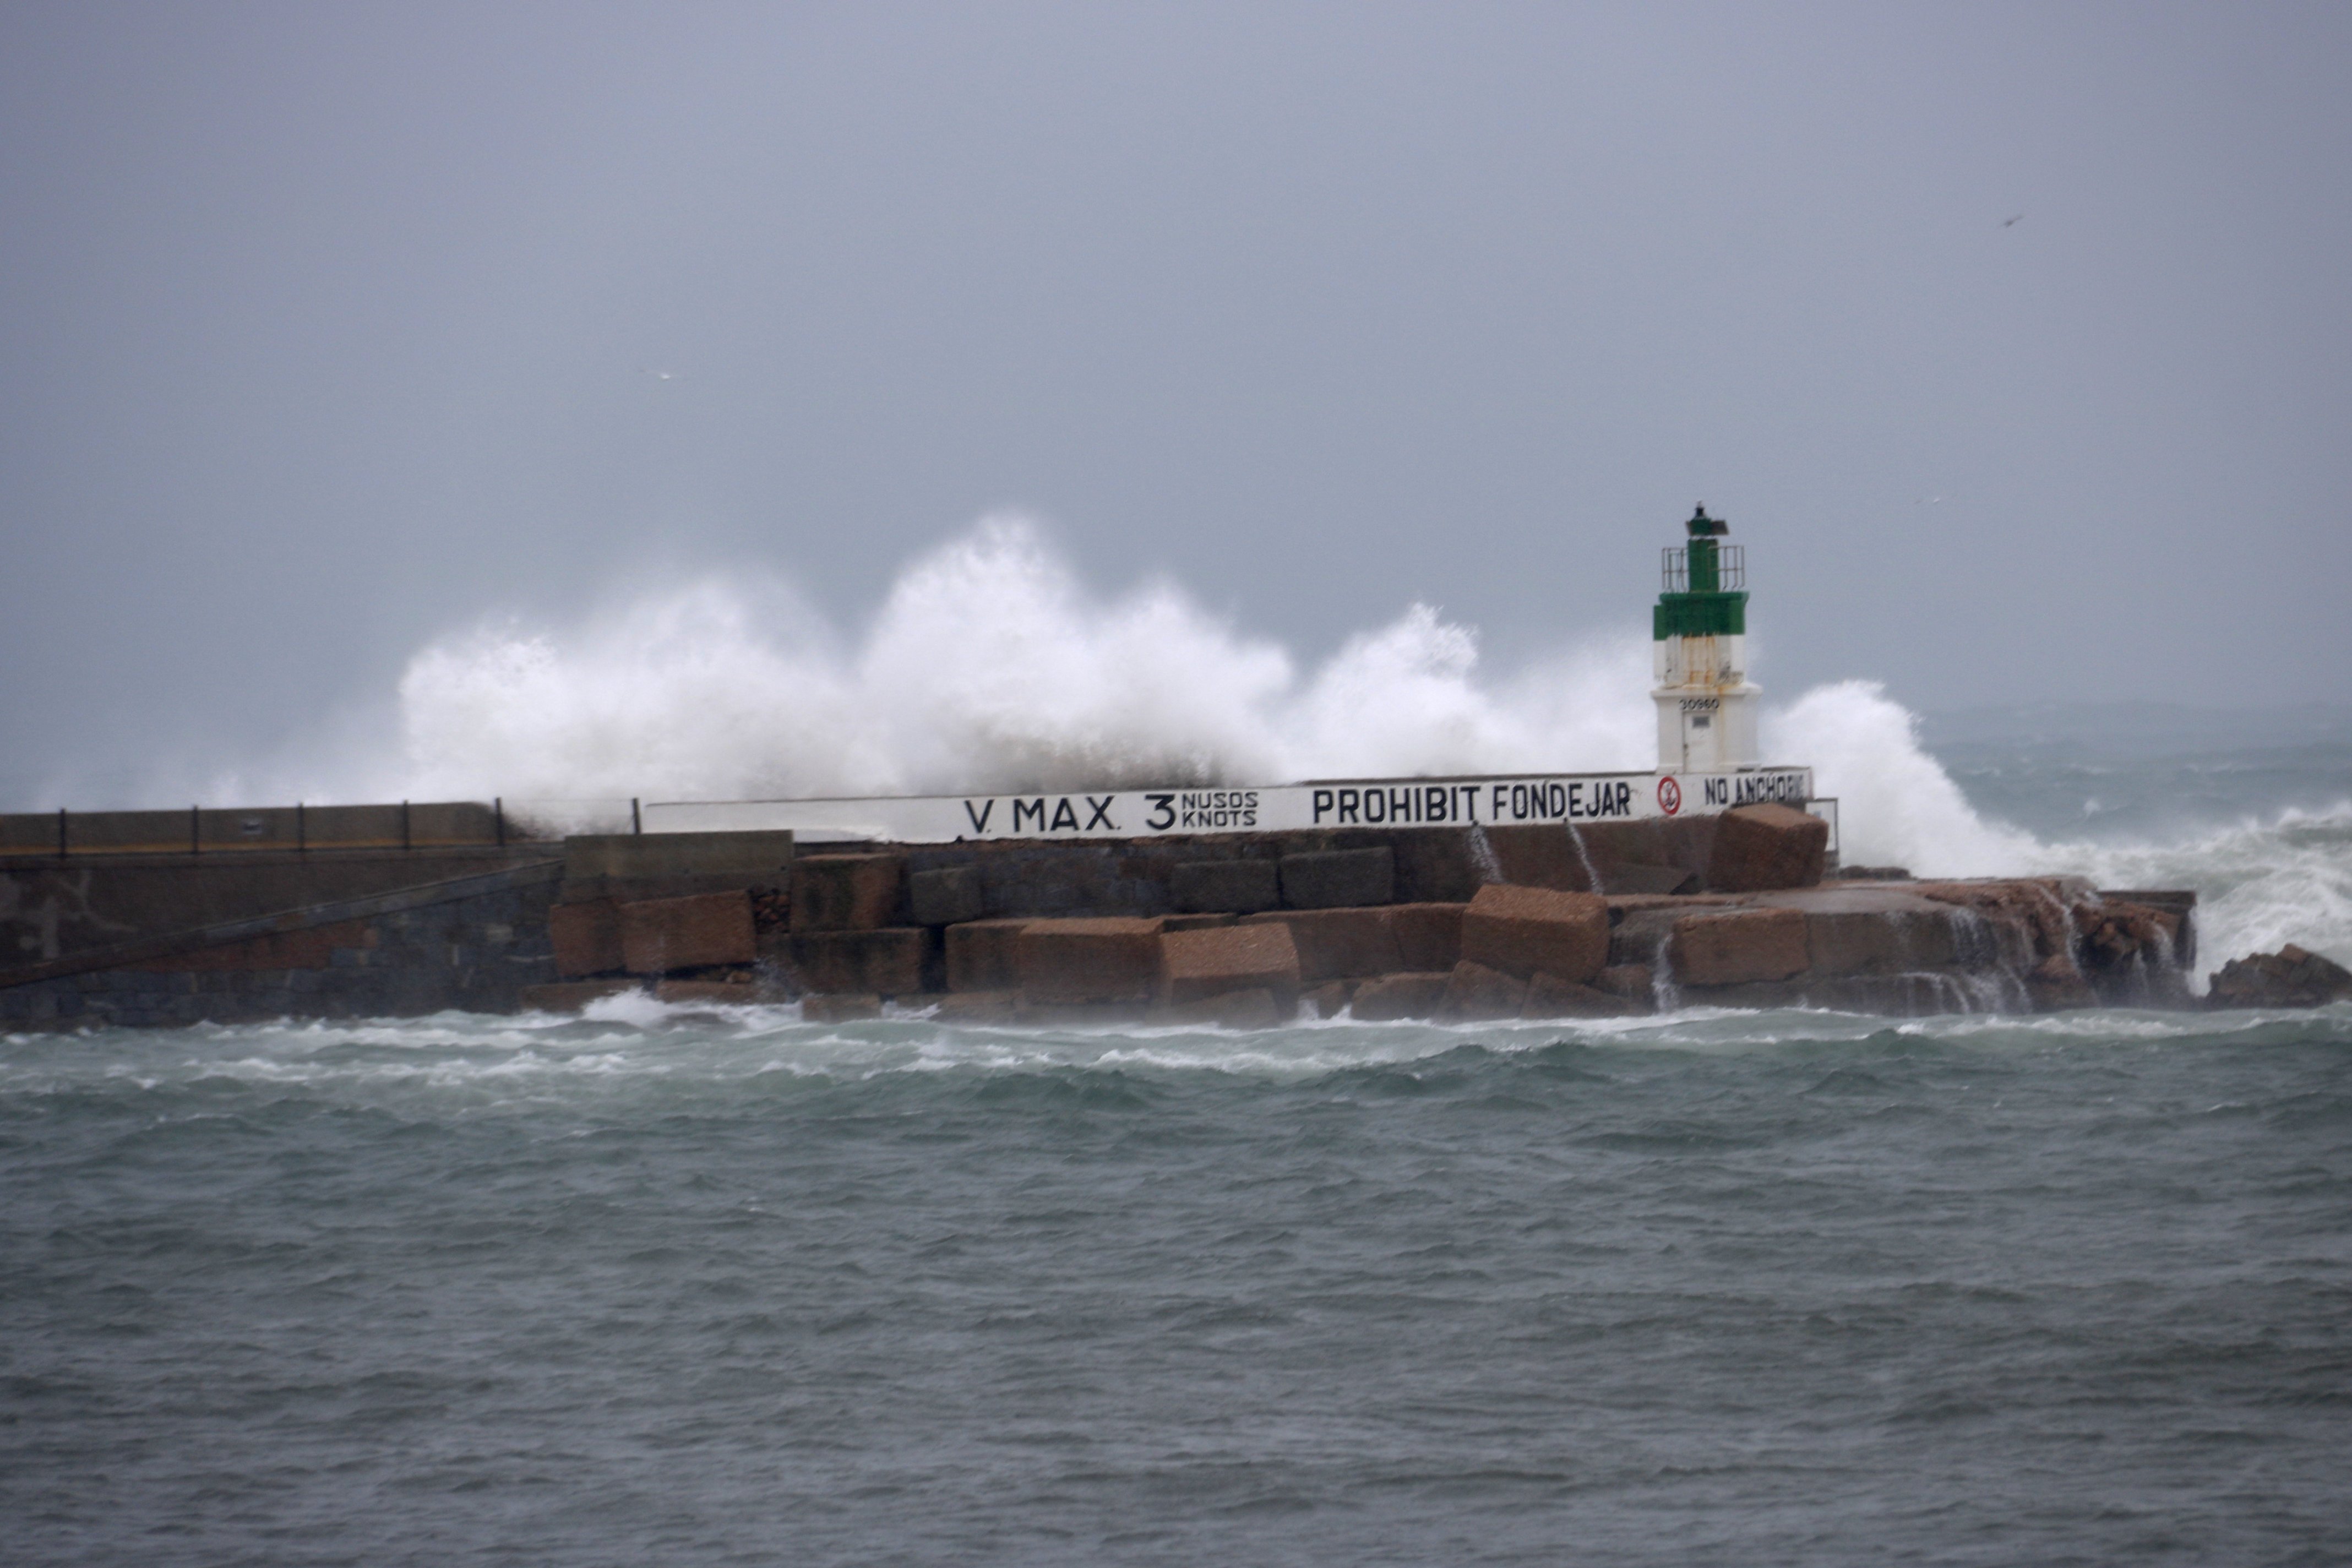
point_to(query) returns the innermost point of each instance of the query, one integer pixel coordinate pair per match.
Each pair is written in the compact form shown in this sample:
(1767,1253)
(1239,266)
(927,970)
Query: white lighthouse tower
(1707,709)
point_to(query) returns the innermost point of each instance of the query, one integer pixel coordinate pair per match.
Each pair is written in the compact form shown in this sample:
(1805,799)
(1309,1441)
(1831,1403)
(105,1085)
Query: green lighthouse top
(1705,584)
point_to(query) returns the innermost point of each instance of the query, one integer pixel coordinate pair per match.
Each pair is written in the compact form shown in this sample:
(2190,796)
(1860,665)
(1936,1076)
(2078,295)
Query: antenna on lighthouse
(1707,709)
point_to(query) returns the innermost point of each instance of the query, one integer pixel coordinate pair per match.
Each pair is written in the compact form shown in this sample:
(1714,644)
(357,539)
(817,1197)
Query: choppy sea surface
(677,1287)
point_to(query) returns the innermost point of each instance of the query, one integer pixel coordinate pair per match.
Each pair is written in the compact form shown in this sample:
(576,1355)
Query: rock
(587,938)
(1551,997)
(2290,977)
(1252,1009)
(727,992)
(1629,981)
(1333,879)
(571,995)
(1428,936)
(1197,964)
(1393,997)
(1758,848)
(845,892)
(1739,946)
(1109,959)
(980,955)
(662,934)
(977,1007)
(839,1007)
(1523,931)
(1872,874)
(1475,992)
(1329,999)
(1631,877)
(2055,984)
(1241,887)
(1338,944)
(1191,922)
(887,962)
(948,895)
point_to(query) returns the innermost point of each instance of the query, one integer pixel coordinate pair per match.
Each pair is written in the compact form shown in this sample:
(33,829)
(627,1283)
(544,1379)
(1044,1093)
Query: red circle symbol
(1670,796)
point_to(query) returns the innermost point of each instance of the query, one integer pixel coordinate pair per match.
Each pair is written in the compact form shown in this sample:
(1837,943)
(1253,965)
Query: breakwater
(1735,909)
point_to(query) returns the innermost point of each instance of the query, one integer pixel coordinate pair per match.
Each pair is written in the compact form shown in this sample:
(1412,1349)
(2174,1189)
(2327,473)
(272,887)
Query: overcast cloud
(2015,341)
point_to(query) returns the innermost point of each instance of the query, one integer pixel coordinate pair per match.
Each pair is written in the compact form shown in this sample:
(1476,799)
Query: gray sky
(326,329)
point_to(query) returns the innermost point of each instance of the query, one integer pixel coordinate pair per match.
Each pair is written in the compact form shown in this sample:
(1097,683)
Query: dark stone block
(1336,878)
(948,896)
(1239,886)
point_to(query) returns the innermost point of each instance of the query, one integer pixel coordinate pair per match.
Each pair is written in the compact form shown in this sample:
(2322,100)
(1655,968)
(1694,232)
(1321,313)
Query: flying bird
(659,374)
(2010,221)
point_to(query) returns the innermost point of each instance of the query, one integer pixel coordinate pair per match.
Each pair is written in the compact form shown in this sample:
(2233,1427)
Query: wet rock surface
(2290,977)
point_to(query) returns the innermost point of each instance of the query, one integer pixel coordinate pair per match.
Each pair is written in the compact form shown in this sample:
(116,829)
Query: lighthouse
(1707,709)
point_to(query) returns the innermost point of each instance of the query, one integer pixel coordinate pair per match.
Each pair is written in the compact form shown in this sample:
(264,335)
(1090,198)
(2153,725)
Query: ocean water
(680,1286)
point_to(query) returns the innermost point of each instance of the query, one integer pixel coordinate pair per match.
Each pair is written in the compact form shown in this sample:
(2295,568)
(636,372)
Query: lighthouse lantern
(1707,709)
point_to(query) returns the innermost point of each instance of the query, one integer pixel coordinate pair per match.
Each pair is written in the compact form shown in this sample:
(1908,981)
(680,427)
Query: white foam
(991,665)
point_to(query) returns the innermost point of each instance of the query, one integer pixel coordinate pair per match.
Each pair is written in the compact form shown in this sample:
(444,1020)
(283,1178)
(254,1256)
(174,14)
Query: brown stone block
(1329,999)
(1338,944)
(980,956)
(663,934)
(1758,848)
(1428,936)
(1739,946)
(1549,996)
(887,962)
(977,1007)
(1196,964)
(1111,959)
(729,993)
(846,892)
(587,938)
(1251,1009)
(1473,992)
(1393,997)
(1632,981)
(1523,931)
(1191,922)
(571,995)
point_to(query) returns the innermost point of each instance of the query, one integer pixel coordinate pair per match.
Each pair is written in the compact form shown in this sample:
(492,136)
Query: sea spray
(990,666)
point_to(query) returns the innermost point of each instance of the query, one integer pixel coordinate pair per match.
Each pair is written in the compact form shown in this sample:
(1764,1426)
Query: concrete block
(1239,886)
(1523,931)
(948,895)
(1475,992)
(1191,922)
(1334,879)
(980,956)
(840,1008)
(1110,959)
(1633,982)
(1329,999)
(1551,997)
(977,1007)
(1338,945)
(587,939)
(1395,997)
(1195,964)
(846,892)
(1428,936)
(727,992)
(756,855)
(1541,855)
(1253,1009)
(887,962)
(664,934)
(1758,848)
(1739,946)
